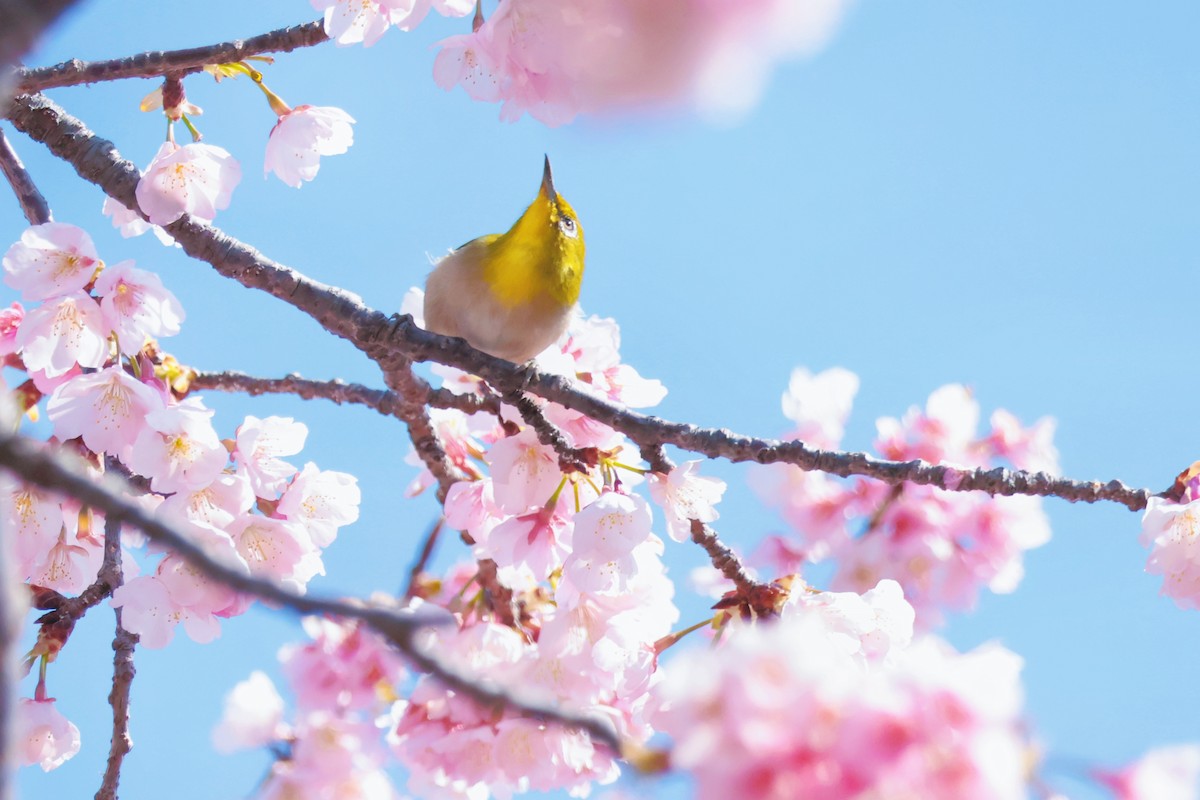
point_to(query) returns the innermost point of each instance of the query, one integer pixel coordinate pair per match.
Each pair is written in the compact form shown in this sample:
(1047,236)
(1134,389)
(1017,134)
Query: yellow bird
(512,294)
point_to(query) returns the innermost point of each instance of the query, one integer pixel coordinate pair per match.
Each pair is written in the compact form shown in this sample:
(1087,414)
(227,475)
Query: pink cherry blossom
(148,610)
(1172,532)
(276,548)
(33,519)
(74,559)
(178,449)
(606,534)
(558,58)
(196,179)
(944,431)
(470,507)
(137,306)
(51,260)
(820,405)
(43,735)
(217,504)
(107,408)
(782,710)
(684,495)
(525,472)
(322,501)
(875,624)
(10,322)
(260,443)
(344,666)
(533,543)
(364,21)
(253,716)
(354,21)
(130,222)
(301,137)
(58,335)
(1164,773)
(1027,448)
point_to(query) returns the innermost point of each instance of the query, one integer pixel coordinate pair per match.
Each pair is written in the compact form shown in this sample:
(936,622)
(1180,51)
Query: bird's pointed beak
(548,181)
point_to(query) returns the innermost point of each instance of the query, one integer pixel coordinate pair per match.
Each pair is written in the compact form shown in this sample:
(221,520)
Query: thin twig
(40,464)
(159,62)
(418,567)
(123,669)
(381,337)
(721,555)
(33,204)
(338,391)
(570,459)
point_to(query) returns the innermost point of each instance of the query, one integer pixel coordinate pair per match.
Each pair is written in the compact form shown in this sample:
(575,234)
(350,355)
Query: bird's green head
(551,238)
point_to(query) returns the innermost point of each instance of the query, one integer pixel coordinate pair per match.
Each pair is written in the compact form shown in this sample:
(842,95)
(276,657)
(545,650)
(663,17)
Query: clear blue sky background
(1004,195)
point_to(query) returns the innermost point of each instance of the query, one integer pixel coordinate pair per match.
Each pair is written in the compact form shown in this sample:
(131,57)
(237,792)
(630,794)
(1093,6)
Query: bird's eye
(567,226)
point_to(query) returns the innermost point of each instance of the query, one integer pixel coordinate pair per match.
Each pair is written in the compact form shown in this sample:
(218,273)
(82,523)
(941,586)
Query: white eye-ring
(568,226)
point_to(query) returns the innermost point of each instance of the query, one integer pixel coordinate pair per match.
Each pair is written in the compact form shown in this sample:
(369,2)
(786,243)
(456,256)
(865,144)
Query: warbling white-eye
(512,294)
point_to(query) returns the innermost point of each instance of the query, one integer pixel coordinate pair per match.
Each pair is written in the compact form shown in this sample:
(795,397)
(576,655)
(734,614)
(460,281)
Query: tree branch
(338,391)
(159,62)
(123,669)
(380,337)
(33,204)
(39,464)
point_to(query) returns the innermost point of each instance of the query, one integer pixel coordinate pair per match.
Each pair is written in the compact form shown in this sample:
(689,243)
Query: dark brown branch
(42,465)
(33,204)
(158,62)
(338,391)
(382,337)
(123,669)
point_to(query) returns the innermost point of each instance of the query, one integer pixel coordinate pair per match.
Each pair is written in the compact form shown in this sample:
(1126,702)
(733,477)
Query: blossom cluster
(89,346)
(942,546)
(807,706)
(555,59)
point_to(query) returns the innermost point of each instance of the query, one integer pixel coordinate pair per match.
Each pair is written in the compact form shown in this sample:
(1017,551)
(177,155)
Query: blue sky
(1003,195)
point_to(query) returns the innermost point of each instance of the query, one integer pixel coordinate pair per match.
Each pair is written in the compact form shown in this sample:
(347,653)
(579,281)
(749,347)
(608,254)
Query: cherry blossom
(56,336)
(606,535)
(782,710)
(1172,532)
(301,137)
(148,610)
(363,22)
(178,448)
(43,735)
(196,179)
(130,222)
(51,260)
(942,546)
(136,305)
(33,520)
(1165,773)
(253,715)
(260,443)
(820,405)
(10,322)
(322,501)
(343,666)
(108,409)
(525,472)
(558,59)
(683,495)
